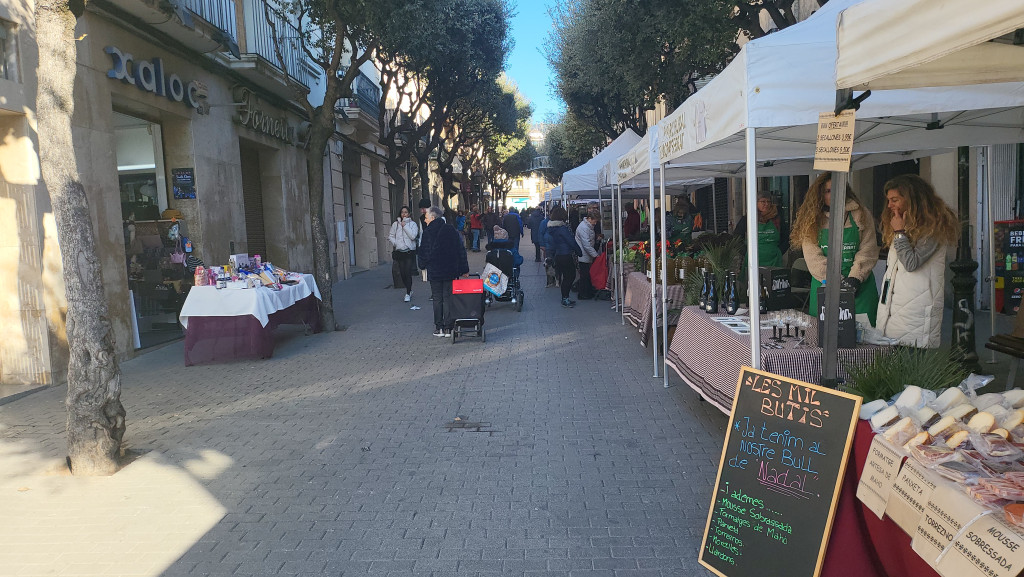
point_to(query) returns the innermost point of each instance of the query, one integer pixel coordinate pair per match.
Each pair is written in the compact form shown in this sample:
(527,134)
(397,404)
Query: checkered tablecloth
(637,307)
(708,356)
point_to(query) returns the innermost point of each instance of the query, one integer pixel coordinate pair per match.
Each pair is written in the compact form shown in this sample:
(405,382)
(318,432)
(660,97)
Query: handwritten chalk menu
(779,477)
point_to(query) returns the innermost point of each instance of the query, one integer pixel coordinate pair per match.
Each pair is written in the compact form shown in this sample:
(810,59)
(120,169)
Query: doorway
(156,285)
(252,200)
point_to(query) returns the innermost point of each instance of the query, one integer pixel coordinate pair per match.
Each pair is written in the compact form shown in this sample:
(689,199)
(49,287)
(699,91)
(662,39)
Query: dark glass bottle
(712,299)
(765,295)
(702,301)
(732,300)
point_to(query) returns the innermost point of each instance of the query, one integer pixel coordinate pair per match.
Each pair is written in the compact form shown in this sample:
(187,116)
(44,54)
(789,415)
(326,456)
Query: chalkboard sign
(779,477)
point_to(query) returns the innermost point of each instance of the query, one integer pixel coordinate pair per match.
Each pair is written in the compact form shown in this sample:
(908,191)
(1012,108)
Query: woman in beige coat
(859,251)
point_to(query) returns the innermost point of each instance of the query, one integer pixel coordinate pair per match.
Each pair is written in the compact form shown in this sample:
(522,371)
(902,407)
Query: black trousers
(536,247)
(406,262)
(586,287)
(565,270)
(441,291)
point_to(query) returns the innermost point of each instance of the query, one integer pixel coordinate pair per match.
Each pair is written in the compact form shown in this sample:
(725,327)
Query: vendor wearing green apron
(772,235)
(860,246)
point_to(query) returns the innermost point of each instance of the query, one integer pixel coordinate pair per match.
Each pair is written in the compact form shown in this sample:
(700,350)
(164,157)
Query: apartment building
(185,122)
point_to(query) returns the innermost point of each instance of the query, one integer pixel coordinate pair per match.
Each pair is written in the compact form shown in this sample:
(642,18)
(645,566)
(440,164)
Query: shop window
(8,51)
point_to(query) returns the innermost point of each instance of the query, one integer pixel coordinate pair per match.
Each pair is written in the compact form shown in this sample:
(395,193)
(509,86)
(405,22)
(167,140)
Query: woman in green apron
(772,235)
(860,245)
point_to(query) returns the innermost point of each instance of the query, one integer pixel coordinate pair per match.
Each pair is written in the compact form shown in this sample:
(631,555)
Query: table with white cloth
(637,303)
(707,355)
(225,324)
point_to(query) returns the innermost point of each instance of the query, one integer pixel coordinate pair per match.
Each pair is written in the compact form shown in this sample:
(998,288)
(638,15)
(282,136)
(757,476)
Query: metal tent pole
(654,301)
(989,171)
(620,281)
(664,281)
(754,298)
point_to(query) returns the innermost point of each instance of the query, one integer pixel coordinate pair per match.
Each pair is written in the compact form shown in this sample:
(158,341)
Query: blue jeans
(476,239)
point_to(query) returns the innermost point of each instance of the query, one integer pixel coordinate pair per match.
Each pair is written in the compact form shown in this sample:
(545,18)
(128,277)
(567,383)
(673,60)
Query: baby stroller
(503,255)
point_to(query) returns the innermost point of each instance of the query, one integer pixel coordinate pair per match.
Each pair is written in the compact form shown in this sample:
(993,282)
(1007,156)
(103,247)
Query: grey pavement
(381,450)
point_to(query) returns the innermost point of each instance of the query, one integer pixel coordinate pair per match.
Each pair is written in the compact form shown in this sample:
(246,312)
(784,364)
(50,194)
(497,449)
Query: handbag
(495,281)
(178,256)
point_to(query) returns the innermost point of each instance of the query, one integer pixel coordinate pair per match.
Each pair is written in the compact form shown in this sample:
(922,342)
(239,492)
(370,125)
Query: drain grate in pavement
(464,424)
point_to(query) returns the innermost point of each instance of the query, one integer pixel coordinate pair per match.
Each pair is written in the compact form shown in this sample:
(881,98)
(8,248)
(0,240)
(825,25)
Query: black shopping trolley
(468,308)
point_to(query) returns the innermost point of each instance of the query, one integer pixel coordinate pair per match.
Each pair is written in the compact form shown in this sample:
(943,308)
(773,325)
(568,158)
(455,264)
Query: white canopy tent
(583,178)
(967,42)
(950,43)
(759,117)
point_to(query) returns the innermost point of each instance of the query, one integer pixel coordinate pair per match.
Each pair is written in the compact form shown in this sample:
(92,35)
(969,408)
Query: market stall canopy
(633,169)
(583,178)
(779,84)
(887,44)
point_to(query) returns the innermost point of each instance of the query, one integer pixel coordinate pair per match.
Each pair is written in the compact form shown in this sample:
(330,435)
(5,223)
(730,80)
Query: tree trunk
(398,177)
(423,166)
(320,134)
(96,418)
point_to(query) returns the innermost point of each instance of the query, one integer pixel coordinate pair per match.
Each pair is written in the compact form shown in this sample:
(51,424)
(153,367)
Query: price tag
(988,547)
(909,494)
(946,513)
(880,470)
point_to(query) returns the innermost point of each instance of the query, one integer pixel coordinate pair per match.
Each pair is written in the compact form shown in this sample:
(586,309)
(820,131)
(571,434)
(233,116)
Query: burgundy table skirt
(861,544)
(220,339)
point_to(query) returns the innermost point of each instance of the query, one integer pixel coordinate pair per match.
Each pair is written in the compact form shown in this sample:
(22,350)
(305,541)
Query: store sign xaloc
(149,76)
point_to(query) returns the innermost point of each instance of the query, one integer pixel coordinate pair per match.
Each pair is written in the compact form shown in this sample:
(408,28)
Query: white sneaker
(408,297)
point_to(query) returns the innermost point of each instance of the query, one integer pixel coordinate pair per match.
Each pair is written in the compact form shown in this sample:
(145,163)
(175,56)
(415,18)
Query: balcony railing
(220,13)
(366,96)
(259,40)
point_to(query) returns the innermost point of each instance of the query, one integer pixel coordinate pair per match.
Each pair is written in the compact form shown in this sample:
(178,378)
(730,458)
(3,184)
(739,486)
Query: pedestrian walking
(403,236)
(536,217)
(513,226)
(476,225)
(562,247)
(443,256)
(489,219)
(585,240)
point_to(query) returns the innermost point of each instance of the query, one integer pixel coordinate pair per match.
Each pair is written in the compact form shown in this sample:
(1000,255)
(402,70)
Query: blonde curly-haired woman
(859,251)
(919,228)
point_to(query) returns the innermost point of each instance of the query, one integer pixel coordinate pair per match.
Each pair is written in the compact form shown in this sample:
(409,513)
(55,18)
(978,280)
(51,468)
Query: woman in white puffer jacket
(919,228)
(403,237)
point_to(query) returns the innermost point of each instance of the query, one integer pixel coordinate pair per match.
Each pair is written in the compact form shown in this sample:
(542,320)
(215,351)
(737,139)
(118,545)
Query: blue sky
(526,64)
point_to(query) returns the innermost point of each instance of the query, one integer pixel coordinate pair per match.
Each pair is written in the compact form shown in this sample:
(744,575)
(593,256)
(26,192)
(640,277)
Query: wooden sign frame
(747,372)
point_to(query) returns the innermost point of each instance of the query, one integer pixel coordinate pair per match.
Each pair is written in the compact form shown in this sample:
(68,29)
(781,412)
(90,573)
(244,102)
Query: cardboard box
(777,281)
(847,318)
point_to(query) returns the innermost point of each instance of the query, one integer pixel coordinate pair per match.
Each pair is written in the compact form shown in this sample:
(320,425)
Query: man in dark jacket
(534,225)
(562,247)
(489,219)
(443,255)
(510,222)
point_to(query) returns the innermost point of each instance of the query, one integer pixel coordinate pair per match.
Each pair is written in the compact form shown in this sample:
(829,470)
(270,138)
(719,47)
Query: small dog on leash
(549,271)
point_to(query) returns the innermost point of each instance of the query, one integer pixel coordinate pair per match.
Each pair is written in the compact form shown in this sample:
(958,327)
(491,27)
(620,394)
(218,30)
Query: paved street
(339,455)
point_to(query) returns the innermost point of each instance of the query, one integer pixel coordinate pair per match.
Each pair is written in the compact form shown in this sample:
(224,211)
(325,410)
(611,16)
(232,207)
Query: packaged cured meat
(932,455)
(960,472)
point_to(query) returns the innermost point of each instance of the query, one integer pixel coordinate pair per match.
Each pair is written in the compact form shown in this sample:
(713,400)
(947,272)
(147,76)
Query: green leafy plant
(891,371)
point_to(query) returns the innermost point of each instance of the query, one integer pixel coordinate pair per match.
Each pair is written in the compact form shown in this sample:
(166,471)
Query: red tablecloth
(219,339)
(862,544)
